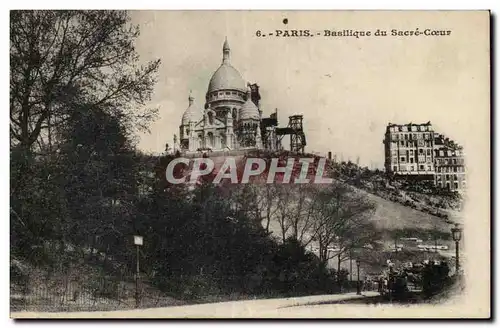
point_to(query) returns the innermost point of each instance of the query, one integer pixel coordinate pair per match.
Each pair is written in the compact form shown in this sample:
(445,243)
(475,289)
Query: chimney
(329,155)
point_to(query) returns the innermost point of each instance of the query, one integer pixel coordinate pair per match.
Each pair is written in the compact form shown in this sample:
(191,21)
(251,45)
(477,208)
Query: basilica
(230,119)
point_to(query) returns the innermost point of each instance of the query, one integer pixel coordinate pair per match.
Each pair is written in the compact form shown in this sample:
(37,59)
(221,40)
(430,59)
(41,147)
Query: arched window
(223,140)
(210,118)
(211,140)
(220,113)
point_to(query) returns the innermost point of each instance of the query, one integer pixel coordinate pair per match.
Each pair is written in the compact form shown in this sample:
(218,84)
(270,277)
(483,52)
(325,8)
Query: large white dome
(226,77)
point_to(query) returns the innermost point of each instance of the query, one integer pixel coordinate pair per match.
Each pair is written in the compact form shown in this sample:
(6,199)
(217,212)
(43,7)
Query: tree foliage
(78,93)
(60,60)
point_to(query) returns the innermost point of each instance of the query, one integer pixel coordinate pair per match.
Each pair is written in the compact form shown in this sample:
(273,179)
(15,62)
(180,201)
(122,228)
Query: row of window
(447,177)
(226,93)
(448,185)
(428,159)
(421,143)
(412,143)
(411,136)
(414,128)
(412,168)
(210,139)
(440,169)
(450,169)
(411,152)
(449,161)
(448,153)
(411,160)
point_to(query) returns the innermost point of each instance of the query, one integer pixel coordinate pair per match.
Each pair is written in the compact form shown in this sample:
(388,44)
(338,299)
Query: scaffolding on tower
(272,135)
(296,132)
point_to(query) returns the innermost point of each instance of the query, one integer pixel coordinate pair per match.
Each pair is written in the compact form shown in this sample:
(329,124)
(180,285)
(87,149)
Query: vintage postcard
(250,164)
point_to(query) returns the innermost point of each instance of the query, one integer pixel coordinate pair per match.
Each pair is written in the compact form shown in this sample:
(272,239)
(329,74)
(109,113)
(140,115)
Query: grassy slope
(391,215)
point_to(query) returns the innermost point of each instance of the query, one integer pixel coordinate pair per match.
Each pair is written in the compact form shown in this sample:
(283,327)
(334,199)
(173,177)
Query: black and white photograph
(249,164)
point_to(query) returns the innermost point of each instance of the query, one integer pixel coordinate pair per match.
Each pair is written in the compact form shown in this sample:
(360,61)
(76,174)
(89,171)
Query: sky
(347,88)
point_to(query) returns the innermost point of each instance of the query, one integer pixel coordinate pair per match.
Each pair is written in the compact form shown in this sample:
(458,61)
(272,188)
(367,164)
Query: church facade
(231,117)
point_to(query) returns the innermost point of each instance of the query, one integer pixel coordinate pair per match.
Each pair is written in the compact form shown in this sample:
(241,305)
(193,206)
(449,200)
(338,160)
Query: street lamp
(358,289)
(456,233)
(138,241)
(390,264)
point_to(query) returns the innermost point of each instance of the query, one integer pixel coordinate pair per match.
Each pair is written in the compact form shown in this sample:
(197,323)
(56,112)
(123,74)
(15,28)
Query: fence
(74,290)
(63,293)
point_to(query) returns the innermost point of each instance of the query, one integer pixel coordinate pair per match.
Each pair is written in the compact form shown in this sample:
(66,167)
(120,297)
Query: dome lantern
(190,98)
(226,77)
(226,51)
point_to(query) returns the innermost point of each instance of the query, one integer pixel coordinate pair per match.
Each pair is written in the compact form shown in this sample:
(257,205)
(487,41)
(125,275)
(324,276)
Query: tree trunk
(338,273)
(49,132)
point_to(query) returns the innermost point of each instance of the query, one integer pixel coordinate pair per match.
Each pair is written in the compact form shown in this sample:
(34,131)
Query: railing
(105,293)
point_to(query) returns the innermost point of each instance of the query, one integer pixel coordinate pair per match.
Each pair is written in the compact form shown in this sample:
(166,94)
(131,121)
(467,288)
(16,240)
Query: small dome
(192,113)
(249,110)
(226,77)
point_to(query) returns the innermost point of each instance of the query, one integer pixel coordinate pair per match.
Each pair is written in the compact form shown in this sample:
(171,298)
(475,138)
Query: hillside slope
(391,215)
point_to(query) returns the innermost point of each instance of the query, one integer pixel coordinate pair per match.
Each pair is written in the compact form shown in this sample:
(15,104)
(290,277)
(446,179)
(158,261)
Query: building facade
(409,149)
(417,151)
(230,118)
(450,165)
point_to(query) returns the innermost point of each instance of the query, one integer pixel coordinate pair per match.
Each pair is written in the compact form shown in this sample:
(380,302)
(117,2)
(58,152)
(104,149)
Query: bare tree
(284,208)
(302,215)
(267,203)
(342,222)
(295,206)
(62,59)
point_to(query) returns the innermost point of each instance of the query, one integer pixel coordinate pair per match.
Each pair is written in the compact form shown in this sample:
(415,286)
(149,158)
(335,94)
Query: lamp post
(138,241)
(456,233)
(358,286)
(390,264)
